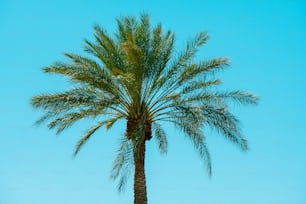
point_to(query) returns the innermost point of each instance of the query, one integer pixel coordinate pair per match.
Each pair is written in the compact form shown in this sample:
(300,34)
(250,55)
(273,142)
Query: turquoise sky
(266,42)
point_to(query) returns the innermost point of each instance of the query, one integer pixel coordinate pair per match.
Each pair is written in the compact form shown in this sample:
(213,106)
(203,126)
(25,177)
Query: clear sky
(266,42)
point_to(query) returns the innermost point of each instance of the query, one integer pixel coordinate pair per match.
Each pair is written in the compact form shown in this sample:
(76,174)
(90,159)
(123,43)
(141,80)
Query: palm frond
(77,97)
(81,99)
(67,120)
(160,136)
(205,68)
(184,58)
(84,62)
(226,124)
(158,58)
(201,85)
(94,77)
(110,122)
(87,136)
(241,97)
(123,163)
(198,140)
(205,156)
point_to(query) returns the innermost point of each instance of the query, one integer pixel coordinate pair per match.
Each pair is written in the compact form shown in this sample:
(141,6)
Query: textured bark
(140,188)
(148,131)
(132,124)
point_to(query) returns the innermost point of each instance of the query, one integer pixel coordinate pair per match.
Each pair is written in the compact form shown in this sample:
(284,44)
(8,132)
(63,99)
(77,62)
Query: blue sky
(266,42)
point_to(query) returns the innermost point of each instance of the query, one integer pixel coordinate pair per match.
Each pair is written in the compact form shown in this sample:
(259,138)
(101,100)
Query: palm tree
(134,76)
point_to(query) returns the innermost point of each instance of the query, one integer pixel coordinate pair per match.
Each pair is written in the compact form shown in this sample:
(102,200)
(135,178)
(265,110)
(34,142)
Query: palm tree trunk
(140,187)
